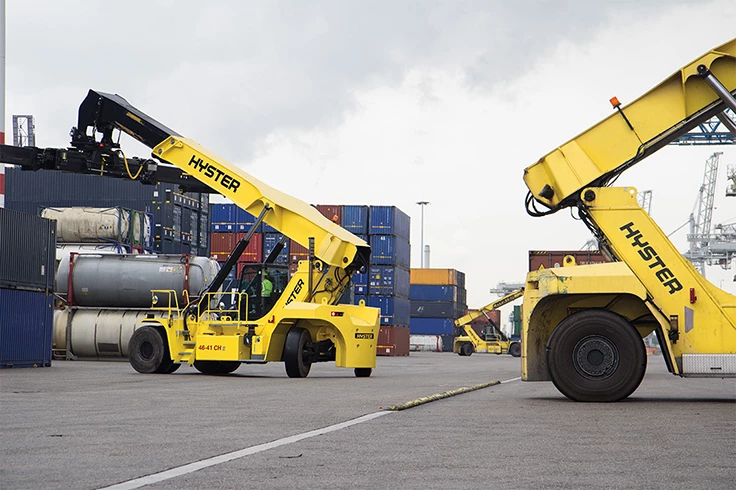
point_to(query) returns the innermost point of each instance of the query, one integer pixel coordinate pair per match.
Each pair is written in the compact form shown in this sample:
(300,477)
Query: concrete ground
(96,424)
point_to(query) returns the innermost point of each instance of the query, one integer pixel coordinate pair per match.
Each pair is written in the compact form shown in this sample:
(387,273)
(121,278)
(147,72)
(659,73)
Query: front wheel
(149,351)
(466,350)
(363,372)
(296,353)
(596,356)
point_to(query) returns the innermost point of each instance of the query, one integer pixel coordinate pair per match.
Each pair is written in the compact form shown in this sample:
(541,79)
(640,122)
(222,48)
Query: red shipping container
(297,252)
(254,251)
(221,244)
(554,258)
(331,211)
(482,322)
(393,341)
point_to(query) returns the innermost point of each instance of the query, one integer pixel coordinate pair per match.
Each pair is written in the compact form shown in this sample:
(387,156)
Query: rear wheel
(227,367)
(148,351)
(363,372)
(515,349)
(466,350)
(596,355)
(297,353)
(207,367)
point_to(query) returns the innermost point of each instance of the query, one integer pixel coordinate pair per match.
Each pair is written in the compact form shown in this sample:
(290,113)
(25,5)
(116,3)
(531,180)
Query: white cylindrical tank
(79,225)
(429,343)
(97,333)
(126,281)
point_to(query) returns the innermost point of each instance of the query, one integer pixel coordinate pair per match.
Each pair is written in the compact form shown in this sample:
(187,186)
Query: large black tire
(148,351)
(596,356)
(227,367)
(174,367)
(295,360)
(466,350)
(363,372)
(207,367)
(515,349)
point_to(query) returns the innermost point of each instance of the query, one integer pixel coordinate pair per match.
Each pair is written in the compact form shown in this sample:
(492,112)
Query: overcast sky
(385,102)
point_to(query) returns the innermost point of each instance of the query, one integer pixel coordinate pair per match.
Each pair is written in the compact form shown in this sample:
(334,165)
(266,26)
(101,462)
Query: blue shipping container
(394,311)
(389,220)
(360,283)
(244,221)
(390,250)
(26,328)
(389,280)
(355,219)
(431,326)
(429,292)
(269,242)
(222,213)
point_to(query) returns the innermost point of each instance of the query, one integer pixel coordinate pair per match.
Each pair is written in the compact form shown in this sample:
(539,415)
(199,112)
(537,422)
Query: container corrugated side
(394,311)
(254,251)
(427,292)
(437,309)
(222,213)
(332,212)
(26,328)
(269,242)
(222,244)
(432,326)
(244,221)
(389,220)
(360,283)
(393,341)
(446,277)
(388,280)
(390,250)
(355,219)
(27,251)
(550,259)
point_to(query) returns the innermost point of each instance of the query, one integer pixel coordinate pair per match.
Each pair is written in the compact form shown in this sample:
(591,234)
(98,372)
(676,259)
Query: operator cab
(261,299)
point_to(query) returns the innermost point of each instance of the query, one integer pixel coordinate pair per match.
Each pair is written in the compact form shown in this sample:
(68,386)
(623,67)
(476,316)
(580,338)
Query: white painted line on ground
(224,458)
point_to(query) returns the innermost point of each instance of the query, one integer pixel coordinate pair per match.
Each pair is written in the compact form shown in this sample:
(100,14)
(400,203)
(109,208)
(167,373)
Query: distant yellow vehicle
(583,325)
(493,340)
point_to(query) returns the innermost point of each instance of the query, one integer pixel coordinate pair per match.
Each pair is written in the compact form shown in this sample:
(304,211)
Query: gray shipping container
(27,251)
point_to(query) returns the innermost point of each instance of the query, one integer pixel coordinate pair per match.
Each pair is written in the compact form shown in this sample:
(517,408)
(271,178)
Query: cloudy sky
(385,102)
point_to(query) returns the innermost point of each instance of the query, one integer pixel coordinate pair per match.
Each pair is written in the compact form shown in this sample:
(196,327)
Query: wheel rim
(595,357)
(146,350)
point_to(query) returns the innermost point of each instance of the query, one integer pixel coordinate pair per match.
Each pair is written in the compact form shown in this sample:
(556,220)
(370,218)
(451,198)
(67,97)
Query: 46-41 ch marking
(211,347)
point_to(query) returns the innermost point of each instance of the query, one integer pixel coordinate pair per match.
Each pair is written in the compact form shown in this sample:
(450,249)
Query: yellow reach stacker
(217,332)
(493,341)
(583,326)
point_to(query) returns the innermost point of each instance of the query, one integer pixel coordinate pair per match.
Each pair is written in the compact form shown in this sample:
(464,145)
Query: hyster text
(648,254)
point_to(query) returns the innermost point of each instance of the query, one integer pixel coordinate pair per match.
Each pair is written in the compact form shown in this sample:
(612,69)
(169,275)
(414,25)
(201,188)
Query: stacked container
(230,224)
(100,230)
(27,265)
(438,298)
(180,221)
(388,276)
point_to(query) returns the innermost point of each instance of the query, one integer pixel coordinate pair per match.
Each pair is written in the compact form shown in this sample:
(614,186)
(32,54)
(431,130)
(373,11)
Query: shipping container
(393,341)
(331,211)
(222,243)
(244,221)
(427,292)
(355,219)
(437,309)
(254,251)
(297,252)
(394,311)
(269,242)
(222,213)
(27,251)
(447,342)
(360,282)
(389,220)
(26,328)
(481,323)
(389,281)
(539,259)
(176,223)
(390,250)
(425,343)
(445,277)
(432,326)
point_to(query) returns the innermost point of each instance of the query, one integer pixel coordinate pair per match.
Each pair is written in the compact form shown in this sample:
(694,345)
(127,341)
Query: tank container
(126,281)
